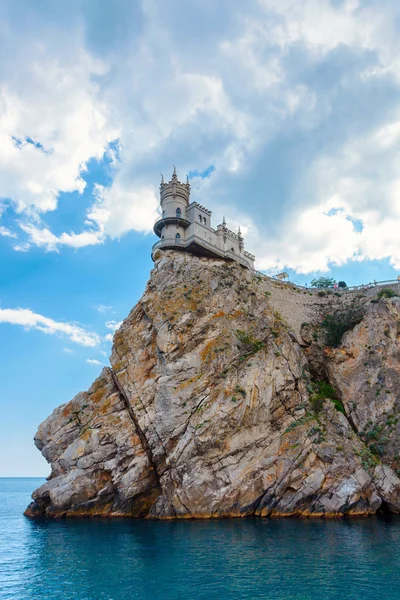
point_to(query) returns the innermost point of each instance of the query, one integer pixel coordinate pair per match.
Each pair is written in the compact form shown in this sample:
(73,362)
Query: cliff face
(211,406)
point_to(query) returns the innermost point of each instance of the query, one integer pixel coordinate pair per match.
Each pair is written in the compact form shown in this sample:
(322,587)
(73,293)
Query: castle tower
(186,226)
(174,200)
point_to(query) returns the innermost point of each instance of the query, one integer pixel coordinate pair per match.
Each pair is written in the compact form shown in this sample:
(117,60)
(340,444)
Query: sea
(106,559)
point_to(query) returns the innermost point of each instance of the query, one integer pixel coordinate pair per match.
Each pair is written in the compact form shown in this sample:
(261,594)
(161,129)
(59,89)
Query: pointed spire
(162,179)
(241,241)
(223,221)
(187,180)
(174,176)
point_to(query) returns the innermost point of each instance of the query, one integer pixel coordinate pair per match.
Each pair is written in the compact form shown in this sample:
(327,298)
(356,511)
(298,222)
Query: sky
(285,115)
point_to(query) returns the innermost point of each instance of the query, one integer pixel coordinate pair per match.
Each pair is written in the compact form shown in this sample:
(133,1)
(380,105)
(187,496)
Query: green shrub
(339,405)
(338,323)
(377,449)
(239,390)
(301,421)
(388,293)
(320,391)
(248,342)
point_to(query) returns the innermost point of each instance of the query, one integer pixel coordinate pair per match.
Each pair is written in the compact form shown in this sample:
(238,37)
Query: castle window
(233,249)
(178,238)
(163,213)
(200,219)
(178,212)
(204,221)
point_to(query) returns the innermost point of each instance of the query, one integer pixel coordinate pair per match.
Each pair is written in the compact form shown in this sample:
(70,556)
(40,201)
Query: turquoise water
(229,559)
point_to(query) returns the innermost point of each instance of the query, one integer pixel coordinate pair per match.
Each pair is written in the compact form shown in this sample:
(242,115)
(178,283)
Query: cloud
(46,239)
(41,157)
(103,308)
(296,107)
(31,320)
(93,361)
(358,217)
(123,207)
(7,233)
(68,350)
(113,325)
(108,337)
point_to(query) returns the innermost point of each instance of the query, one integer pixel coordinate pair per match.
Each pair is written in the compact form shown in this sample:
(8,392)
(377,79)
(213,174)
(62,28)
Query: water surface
(228,559)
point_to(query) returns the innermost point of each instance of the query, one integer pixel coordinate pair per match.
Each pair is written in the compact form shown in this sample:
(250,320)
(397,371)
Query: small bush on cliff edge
(388,293)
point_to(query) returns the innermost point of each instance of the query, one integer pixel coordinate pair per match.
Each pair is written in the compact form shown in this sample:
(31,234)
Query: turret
(241,240)
(174,200)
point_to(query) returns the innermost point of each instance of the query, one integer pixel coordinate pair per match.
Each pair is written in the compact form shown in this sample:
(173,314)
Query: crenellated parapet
(202,208)
(230,234)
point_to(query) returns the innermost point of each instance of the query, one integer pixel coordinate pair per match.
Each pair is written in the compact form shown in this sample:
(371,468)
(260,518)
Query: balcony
(202,248)
(170,220)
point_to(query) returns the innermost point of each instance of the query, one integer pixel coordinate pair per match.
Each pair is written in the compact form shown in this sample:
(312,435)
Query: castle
(186,226)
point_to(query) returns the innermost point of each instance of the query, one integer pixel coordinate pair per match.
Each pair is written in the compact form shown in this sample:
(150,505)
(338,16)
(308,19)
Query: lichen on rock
(207,409)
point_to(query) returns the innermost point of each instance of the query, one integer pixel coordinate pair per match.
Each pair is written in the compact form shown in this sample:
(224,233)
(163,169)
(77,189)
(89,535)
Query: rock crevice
(138,429)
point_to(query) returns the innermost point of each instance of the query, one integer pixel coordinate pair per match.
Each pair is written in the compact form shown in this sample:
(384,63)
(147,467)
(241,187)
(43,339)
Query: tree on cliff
(323,282)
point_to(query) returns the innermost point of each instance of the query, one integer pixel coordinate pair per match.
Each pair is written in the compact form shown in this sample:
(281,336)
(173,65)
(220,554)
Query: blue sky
(286,116)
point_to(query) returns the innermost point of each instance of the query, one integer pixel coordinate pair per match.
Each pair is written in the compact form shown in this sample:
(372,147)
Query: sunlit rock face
(209,408)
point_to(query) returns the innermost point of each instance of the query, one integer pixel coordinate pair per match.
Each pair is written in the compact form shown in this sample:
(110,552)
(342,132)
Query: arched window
(200,219)
(178,212)
(163,213)
(178,238)
(233,249)
(204,221)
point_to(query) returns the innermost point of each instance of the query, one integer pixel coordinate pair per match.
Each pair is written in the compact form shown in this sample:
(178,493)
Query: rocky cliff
(225,398)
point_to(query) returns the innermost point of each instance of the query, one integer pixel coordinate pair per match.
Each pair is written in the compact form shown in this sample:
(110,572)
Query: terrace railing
(352,288)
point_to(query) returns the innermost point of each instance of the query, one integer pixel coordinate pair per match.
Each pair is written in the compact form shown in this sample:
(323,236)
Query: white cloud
(113,325)
(103,308)
(7,233)
(68,350)
(103,353)
(31,320)
(350,191)
(46,239)
(310,242)
(121,208)
(93,361)
(40,157)
(275,97)
(108,337)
